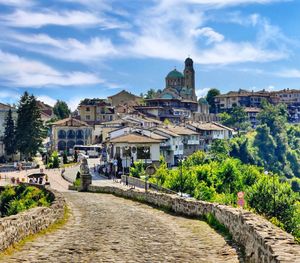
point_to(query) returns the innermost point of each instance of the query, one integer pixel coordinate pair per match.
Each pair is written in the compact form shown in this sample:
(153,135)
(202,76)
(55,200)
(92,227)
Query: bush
(17,199)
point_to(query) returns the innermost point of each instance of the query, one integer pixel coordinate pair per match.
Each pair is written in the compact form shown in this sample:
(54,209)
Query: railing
(139,183)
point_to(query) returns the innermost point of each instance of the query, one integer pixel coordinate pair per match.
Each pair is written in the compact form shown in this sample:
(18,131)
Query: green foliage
(219,180)
(61,110)
(77,182)
(9,135)
(270,197)
(137,170)
(236,118)
(17,199)
(65,157)
(54,160)
(29,127)
(210,97)
(219,149)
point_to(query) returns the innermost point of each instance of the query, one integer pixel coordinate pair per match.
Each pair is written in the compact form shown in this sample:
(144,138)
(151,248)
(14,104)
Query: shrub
(15,200)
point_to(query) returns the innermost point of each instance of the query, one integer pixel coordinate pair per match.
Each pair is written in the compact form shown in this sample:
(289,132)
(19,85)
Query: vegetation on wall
(218,179)
(17,199)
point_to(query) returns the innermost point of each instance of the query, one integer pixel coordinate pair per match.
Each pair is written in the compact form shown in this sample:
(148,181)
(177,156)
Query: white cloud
(201,93)
(214,3)
(21,18)
(17,3)
(46,99)
(211,35)
(289,73)
(67,49)
(21,72)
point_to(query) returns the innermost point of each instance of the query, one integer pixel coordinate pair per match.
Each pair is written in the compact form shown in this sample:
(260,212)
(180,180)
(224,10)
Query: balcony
(193,142)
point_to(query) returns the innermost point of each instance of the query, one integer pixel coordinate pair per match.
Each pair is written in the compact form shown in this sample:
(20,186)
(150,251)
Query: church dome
(202,101)
(174,74)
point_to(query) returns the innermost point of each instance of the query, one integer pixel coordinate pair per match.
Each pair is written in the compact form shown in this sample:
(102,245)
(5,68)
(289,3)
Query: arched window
(80,142)
(70,144)
(61,134)
(61,145)
(71,134)
(79,134)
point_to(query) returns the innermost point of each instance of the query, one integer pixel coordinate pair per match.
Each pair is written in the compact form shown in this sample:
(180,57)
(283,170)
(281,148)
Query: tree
(210,97)
(219,149)
(61,109)
(151,94)
(29,126)
(275,117)
(9,135)
(237,118)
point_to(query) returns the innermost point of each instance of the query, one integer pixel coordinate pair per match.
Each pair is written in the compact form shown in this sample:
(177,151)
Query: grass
(55,226)
(67,165)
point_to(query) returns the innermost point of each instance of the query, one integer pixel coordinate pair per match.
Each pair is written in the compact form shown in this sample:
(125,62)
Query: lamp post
(145,150)
(125,152)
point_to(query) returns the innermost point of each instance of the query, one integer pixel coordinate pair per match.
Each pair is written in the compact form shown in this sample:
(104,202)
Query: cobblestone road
(105,228)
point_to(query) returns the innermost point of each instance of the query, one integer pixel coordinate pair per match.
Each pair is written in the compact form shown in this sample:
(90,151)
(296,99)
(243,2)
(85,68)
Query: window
(143,152)
(87,109)
(88,117)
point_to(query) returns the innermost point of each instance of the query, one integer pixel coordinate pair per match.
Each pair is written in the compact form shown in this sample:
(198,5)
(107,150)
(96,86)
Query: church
(178,101)
(181,86)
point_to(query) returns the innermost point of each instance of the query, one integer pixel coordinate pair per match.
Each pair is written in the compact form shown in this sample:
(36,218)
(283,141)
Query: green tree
(61,110)
(29,128)
(274,116)
(266,146)
(219,149)
(210,97)
(9,135)
(237,118)
(270,197)
(151,94)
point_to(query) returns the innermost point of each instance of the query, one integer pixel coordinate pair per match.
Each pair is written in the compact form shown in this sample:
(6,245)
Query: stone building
(96,111)
(69,132)
(124,98)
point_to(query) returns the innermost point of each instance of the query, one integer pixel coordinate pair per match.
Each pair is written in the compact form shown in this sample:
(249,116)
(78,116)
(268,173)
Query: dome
(202,101)
(174,74)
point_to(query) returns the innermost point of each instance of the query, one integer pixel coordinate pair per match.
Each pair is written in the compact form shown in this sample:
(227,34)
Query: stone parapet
(262,241)
(16,227)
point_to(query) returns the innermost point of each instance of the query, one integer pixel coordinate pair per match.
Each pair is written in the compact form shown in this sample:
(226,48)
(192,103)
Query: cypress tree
(29,126)
(9,135)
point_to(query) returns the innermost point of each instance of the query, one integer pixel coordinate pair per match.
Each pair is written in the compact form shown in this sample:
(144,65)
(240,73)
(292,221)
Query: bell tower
(189,76)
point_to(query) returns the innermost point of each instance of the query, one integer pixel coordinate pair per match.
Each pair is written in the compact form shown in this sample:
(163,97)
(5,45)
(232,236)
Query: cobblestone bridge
(105,228)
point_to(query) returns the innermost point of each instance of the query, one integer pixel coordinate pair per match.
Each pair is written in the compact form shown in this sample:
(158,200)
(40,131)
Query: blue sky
(72,49)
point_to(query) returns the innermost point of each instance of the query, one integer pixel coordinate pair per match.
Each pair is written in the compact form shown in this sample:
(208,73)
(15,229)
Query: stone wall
(263,242)
(16,227)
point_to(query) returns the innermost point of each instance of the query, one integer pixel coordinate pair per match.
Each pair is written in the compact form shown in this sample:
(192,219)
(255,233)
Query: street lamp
(146,151)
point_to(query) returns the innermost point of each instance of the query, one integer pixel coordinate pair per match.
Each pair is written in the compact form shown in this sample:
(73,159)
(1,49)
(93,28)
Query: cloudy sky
(71,49)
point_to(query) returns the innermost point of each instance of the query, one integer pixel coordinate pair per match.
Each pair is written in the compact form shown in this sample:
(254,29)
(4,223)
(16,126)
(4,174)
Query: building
(69,132)
(124,98)
(252,113)
(290,97)
(241,98)
(96,111)
(4,108)
(134,147)
(209,132)
(46,111)
(178,101)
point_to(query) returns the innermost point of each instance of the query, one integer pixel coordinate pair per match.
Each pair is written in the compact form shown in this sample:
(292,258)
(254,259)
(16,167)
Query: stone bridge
(106,228)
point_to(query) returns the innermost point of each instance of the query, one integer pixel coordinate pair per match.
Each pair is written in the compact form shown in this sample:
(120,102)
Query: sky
(75,49)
